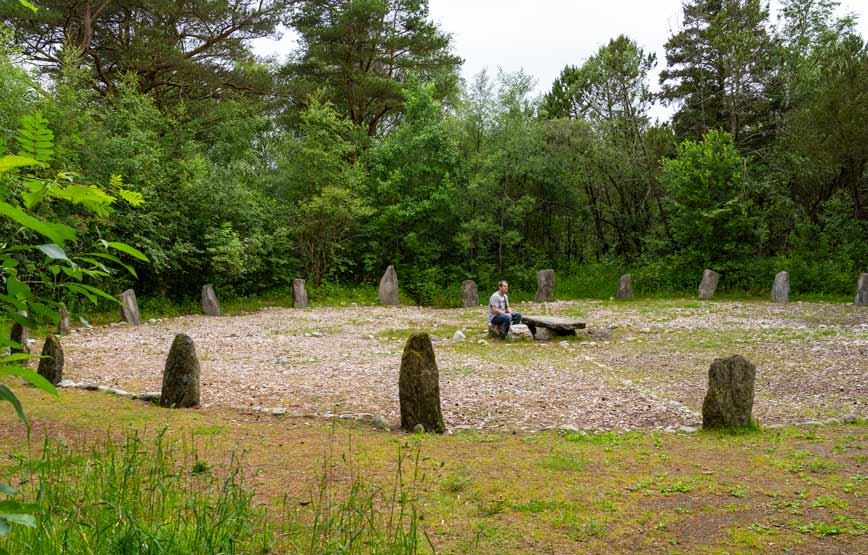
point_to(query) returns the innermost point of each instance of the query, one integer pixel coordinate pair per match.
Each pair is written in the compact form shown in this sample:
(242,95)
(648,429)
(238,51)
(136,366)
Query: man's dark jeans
(505,320)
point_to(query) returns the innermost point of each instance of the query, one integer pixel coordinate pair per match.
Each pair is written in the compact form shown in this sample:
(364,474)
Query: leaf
(132,251)
(113,258)
(28,5)
(99,292)
(12,161)
(53,251)
(16,356)
(14,506)
(76,288)
(7,489)
(31,376)
(17,289)
(4,531)
(22,519)
(7,395)
(58,233)
(133,198)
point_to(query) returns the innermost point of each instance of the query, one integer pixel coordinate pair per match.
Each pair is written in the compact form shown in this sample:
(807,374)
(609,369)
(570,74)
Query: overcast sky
(543,36)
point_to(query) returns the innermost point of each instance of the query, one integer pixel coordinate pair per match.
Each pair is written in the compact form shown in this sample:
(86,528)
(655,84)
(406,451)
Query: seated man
(499,312)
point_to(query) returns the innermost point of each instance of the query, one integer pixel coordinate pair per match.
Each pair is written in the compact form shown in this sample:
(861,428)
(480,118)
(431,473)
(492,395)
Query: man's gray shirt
(499,301)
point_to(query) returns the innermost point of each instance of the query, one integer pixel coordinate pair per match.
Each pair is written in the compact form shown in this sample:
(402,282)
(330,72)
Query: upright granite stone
(181,376)
(130,308)
(64,326)
(862,291)
(20,335)
(729,400)
(419,386)
(469,294)
(388,290)
(299,294)
(545,285)
(781,288)
(707,288)
(625,288)
(210,304)
(51,367)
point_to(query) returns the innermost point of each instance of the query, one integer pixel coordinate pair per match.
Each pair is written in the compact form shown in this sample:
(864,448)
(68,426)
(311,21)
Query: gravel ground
(643,366)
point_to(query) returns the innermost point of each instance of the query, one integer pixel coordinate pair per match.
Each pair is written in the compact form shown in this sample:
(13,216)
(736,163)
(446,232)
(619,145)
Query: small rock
(568,429)
(850,419)
(812,423)
(278,411)
(645,330)
(66,383)
(687,429)
(418,429)
(564,344)
(482,342)
(380,423)
(458,336)
(152,321)
(316,334)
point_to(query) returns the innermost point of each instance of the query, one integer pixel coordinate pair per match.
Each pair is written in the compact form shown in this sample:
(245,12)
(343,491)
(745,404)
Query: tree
(718,68)
(362,53)
(177,50)
(611,91)
(713,218)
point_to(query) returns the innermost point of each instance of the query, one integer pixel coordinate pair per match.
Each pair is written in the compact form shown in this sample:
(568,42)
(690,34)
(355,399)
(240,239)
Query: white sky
(543,36)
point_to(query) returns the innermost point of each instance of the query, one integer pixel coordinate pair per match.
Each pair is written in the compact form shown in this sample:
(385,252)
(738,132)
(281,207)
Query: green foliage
(712,216)
(363,53)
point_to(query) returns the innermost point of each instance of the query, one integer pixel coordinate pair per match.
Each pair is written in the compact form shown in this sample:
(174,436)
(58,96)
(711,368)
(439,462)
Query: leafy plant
(32,272)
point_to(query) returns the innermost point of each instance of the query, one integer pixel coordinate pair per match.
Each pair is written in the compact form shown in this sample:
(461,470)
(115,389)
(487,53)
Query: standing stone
(545,285)
(419,386)
(181,376)
(299,294)
(51,367)
(469,294)
(781,288)
(64,326)
(388,290)
(210,304)
(709,284)
(862,290)
(20,335)
(625,288)
(130,308)
(729,401)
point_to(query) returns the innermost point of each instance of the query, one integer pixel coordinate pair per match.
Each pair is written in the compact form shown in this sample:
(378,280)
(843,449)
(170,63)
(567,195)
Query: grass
(302,487)
(155,495)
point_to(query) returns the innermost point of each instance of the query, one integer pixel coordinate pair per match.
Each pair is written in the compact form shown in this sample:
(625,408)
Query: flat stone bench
(547,327)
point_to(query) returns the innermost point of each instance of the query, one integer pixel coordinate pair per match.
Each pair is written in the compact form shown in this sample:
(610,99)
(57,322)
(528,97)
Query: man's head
(502,286)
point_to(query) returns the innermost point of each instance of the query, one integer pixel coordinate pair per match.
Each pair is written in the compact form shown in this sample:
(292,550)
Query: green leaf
(31,376)
(132,251)
(113,258)
(53,251)
(76,288)
(28,5)
(133,198)
(58,233)
(22,519)
(16,356)
(7,395)
(14,506)
(4,531)
(12,161)
(17,289)
(98,291)
(7,489)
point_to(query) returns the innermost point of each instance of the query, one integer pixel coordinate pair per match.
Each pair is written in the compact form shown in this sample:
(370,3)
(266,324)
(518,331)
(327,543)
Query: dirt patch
(650,373)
